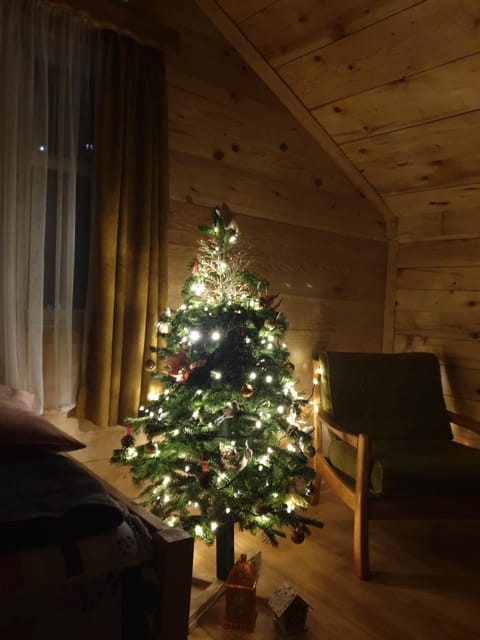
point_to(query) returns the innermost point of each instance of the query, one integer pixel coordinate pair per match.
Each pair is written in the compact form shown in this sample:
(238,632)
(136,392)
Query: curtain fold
(131,203)
(44,60)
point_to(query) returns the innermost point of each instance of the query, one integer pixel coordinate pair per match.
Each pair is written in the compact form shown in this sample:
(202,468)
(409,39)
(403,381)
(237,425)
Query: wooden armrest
(464,421)
(349,438)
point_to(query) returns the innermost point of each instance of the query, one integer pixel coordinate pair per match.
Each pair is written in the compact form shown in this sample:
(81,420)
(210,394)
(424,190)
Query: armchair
(391,453)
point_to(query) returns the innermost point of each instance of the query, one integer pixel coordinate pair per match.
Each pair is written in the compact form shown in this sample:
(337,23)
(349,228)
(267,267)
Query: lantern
(241,585)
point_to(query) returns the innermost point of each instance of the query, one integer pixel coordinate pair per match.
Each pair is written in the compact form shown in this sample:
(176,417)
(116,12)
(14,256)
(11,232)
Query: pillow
(19,398)
(25,432)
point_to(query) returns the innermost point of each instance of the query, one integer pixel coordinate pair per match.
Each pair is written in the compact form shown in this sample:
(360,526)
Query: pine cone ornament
(127,441)
(297,536)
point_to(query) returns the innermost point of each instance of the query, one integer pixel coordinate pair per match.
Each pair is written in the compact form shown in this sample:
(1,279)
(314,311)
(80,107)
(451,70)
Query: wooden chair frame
(366,506)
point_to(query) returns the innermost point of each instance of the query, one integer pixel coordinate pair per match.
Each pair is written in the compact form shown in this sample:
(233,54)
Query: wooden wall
(395,85)
(320,244)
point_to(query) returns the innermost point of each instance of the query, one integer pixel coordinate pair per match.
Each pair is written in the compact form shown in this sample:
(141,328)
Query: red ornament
(204,465)
(195,266)
(180,367)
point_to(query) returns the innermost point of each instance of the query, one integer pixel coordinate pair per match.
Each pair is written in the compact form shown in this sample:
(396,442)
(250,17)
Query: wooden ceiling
(389,88)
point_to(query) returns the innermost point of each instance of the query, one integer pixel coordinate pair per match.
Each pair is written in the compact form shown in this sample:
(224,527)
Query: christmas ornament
(232,458)
(204,479)
(128,440)
(267,300)
(297,501)
(227,217)
(297,536)
(246,390)
(150,448)
(195,266)
(180,367)
(229,412)
(309,451)
(150,365)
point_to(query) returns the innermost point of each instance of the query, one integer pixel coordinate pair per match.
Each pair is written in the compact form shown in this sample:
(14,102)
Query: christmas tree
(224,441)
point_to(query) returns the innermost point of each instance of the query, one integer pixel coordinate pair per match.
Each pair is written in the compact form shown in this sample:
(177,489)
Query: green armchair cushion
(360,389)
(427,467)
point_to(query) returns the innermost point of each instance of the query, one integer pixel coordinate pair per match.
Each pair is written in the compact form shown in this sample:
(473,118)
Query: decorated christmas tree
(225,441)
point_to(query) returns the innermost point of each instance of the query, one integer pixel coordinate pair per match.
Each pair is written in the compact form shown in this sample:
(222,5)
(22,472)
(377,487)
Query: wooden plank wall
(395,84)
(319,243)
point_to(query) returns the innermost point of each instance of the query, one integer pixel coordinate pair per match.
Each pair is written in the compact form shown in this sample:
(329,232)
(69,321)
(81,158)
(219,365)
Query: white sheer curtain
(45,151)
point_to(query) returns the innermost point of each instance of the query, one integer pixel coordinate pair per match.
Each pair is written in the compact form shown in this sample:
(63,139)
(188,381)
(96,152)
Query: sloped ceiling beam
(287,97)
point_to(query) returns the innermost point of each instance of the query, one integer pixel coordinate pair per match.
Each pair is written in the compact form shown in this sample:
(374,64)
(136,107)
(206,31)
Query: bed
(77,558)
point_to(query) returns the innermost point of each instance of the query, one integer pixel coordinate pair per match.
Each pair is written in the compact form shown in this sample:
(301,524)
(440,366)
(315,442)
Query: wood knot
(218,155)
(283,147)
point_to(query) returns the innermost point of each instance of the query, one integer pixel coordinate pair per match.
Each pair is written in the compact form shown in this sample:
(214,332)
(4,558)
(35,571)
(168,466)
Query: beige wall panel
(288,29)
(425,36)
(446,278)
(437,212)
(253,137)
(461,382)
(217,62)
(413,99)
(296,261)
(422,227)
(451,353)
(209,182)
(435,253)
(466,302)
(449,200)
(451,325)
(435,154)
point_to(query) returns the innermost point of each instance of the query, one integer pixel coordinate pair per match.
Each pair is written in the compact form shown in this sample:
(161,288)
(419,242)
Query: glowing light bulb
(166,480)
(215,335)
(195,335)
(198,530)
(213,526)
(187,469)
(131,453)
(253,375)
(270,338)
(153,395)
(216,375)
(258,424)
(280,409)
(268,379)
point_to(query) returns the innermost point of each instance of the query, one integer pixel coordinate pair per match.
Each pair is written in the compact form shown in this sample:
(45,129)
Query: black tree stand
(225,550)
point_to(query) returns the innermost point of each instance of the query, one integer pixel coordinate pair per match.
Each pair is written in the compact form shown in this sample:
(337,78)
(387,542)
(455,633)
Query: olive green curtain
(130,229)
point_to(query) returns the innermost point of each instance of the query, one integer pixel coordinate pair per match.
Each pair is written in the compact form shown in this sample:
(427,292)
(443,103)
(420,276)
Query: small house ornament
(289,609)
(241,586)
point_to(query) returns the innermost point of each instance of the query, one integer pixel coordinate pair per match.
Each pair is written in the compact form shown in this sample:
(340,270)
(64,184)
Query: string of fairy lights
(223,366)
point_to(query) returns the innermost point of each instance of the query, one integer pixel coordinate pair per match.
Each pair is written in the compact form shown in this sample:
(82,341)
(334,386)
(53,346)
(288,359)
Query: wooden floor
(426,575)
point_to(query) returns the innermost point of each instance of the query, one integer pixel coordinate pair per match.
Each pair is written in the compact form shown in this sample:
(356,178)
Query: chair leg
(360,519)
(360,544)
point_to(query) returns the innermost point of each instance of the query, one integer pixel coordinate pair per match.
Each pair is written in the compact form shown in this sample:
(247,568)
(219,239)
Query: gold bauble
(246,390)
